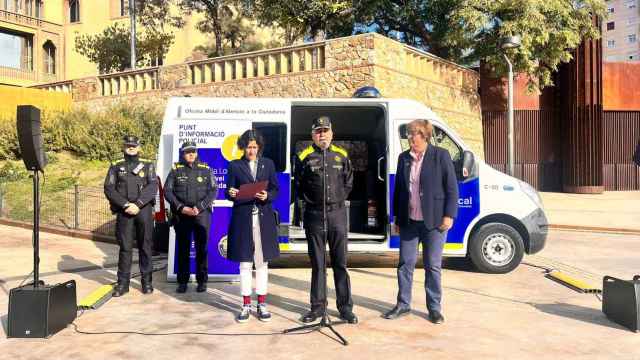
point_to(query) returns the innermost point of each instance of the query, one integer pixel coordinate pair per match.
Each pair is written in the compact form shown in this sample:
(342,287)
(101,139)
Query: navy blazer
(240,235)
(438,188)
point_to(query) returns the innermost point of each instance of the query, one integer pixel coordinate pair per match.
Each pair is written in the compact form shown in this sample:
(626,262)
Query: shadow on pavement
(576,312)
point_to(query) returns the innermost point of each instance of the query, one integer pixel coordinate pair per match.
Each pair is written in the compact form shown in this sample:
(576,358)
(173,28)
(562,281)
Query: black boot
(147,288)
(122,287)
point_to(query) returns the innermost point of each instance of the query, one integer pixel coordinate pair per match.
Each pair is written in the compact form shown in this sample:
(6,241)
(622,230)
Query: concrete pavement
(616,211)
(518,315)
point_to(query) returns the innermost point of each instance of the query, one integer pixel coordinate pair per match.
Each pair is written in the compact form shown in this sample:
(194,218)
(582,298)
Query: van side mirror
(468,164)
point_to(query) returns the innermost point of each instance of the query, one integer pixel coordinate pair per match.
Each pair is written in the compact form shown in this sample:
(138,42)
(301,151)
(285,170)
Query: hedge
(90,135)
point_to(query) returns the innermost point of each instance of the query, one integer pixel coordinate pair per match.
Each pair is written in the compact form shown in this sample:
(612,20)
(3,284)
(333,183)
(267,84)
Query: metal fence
(79,208)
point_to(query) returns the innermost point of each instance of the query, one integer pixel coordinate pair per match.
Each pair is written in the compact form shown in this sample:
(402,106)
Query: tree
(467,31)
(215,12)
(313,18)
(111,49)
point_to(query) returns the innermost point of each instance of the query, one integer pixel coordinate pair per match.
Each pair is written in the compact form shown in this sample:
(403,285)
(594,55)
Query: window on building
(611,10)
(17,6)
(16,51)
(49,55)
(631,38)
(38,9)
(631,4)
(124,7)
(611,25)
(611,44)
(74,11)
(633,57)
(28,7)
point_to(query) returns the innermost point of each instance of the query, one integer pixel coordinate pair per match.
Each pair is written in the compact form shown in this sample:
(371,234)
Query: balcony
(24,77)
(30,21)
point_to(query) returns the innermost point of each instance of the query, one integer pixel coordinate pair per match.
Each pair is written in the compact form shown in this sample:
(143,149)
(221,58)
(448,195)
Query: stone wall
(349,63)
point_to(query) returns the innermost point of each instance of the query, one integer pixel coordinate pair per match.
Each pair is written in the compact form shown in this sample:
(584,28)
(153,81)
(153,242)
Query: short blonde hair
(422,126)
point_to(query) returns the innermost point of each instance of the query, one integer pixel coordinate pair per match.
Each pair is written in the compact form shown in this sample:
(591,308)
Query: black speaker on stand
(37,310)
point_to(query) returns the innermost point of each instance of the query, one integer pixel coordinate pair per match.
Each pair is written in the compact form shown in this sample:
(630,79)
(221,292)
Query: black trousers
(198,228)
(337,239)
(138,228)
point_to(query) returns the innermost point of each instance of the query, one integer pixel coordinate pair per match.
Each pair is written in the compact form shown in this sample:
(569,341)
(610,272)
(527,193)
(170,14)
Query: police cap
(188,146)
(322,122)
(131,140)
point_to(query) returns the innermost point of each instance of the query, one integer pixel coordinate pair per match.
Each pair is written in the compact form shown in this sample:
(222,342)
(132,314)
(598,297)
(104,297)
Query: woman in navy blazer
(425,202)
(253,233)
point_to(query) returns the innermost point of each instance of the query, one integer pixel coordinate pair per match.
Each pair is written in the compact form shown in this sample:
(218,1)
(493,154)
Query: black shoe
(436,317)
(349,317)
(147,288)
(311,316)
(181,289)
(120,290)
(396,312)
(202,287)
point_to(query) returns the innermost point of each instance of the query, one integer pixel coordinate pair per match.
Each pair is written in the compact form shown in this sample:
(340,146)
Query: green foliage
(111,49)
(314,18)
(90,135)
(468,31)
(13,171)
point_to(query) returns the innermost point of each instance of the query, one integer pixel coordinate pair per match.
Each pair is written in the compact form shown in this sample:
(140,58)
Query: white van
(499,219)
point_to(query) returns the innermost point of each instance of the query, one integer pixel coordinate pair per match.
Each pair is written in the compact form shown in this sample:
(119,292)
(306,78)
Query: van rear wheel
(496,248)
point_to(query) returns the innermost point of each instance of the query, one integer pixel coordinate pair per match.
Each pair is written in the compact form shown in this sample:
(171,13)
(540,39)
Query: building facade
(621,31)
(37,38)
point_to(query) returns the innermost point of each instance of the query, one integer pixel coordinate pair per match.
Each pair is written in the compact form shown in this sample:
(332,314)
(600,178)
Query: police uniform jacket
(240,244)
(131,181)
(192,186)
(309,171)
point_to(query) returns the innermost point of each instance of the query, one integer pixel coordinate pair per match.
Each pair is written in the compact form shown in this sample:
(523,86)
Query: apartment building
(621,31)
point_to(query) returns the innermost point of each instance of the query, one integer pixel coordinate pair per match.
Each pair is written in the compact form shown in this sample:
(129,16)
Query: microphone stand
(325,322)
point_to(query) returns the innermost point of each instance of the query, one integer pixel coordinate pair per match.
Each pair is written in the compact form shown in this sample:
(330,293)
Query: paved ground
(610,210)
(519,315)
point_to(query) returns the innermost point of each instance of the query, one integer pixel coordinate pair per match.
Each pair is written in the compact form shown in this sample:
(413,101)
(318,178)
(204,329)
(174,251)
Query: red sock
(246,300)
(262,299)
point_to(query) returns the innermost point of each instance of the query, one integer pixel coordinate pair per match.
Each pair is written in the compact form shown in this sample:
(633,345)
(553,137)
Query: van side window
(439,138)
(275,138)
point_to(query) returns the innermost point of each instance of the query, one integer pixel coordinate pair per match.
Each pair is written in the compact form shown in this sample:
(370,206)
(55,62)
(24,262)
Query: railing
(129,82)
(257,64)
(22,19)
(20,74)
(421,63)
(79,208)
(61,86)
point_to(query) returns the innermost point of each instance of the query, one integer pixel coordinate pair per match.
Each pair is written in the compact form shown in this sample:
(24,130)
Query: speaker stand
(36,229)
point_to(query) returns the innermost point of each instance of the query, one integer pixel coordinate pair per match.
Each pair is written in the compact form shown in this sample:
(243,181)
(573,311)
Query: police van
(500,218)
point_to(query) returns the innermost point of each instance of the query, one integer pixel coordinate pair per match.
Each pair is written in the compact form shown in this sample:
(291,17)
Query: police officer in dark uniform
(309,171)
(191,189)
(131,186)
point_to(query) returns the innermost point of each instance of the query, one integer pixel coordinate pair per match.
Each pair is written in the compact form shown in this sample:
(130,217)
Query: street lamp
(510,42)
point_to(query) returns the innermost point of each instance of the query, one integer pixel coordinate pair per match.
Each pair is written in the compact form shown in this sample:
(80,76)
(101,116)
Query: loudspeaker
(621,301)
(30,137)
(39,312)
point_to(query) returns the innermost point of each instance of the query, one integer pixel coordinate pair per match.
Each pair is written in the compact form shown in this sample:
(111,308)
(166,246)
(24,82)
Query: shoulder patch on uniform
(203,165)
(120,161)
(339,150)
(177,166)
(304,153)
(146,160)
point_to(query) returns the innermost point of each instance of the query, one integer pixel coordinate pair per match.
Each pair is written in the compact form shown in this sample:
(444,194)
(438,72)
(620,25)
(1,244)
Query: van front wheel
(496,248)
